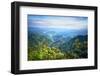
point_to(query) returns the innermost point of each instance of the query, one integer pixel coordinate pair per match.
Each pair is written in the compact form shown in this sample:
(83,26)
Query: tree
(80,48)
(43,52)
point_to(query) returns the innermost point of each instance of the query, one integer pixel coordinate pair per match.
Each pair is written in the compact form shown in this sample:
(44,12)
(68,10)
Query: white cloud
(70,24)
(58,22)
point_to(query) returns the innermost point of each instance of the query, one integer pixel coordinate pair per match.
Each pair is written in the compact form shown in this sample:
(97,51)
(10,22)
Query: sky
(47,21)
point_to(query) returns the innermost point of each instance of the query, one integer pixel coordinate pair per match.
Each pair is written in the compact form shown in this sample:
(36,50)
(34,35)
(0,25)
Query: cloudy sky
(47,21)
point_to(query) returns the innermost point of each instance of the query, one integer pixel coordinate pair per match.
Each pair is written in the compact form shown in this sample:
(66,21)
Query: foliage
(41,47)
(42,52)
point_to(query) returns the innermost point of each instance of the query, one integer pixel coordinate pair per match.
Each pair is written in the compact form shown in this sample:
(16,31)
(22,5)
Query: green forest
(42,47)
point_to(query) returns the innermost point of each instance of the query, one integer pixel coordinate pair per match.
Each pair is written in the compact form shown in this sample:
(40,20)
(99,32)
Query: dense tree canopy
(41,47)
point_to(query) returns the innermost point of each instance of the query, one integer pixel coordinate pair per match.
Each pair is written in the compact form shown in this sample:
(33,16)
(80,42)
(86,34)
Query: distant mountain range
(57,34)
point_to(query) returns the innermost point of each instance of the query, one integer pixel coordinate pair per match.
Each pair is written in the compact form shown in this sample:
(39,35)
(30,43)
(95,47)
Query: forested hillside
(47,44)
